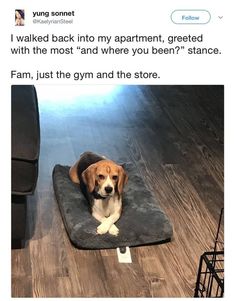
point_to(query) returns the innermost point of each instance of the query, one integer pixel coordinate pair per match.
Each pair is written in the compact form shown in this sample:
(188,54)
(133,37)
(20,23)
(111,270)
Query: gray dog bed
(142,221)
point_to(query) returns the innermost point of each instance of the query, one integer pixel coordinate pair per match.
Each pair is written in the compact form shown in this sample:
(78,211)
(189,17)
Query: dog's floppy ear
(89,177)
(122,180)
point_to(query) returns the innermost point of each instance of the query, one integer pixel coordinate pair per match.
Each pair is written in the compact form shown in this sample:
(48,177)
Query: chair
(25,155)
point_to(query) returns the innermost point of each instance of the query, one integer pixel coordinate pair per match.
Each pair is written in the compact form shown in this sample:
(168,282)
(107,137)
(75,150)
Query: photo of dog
(101,181)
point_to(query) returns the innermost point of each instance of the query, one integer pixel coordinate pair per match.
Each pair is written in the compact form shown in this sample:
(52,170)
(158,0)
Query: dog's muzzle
(108,189)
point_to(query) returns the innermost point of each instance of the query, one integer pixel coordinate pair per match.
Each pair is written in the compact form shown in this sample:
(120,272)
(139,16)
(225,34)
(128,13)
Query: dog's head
(106,177)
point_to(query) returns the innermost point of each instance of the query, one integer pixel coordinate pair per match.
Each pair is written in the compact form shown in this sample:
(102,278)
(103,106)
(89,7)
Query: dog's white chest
(106,207)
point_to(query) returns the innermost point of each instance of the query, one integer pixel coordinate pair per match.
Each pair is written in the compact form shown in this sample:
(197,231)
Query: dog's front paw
(114,230)
(103,228)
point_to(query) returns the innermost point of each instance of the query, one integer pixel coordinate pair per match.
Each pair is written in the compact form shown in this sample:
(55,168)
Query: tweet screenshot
(115,184)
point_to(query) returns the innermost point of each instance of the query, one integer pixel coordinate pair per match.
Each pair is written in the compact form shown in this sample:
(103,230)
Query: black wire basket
(210,277)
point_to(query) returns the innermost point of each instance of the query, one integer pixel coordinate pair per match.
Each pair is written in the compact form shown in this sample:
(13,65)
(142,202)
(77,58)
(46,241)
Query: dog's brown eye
(114,178)
(101,177)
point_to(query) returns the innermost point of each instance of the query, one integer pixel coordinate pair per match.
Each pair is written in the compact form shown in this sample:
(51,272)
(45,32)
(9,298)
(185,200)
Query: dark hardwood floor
(176,134)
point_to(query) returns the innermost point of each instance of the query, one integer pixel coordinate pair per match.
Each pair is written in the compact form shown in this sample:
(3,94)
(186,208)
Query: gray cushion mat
(142,221)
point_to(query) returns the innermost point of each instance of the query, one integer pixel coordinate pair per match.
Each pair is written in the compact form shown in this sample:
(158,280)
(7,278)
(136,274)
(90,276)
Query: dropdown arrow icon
(220,17)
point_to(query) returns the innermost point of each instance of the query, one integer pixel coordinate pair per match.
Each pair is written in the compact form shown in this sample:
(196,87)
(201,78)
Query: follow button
(192,16)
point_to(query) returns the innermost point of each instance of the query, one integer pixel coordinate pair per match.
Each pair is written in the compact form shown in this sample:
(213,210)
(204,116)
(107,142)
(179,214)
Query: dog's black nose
(108,189)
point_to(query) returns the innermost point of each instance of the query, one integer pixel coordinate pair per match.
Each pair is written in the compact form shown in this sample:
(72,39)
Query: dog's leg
(100,229)
(108,224)
(115,216)
(99,217)
(73,173)
(114,230)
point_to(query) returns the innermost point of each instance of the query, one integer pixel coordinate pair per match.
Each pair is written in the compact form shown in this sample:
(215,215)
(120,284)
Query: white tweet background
(106,17)
(124,18)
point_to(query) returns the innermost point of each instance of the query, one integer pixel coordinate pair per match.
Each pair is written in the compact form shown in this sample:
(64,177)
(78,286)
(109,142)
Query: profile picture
(19,17)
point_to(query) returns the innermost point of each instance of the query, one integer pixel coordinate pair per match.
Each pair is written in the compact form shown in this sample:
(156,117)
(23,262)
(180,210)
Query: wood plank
(20,263)
(124,279)
(21,286)
(47,245)
(91,273)
(197,127)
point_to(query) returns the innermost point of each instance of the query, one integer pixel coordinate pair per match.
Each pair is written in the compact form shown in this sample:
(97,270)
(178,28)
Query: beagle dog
(101,181)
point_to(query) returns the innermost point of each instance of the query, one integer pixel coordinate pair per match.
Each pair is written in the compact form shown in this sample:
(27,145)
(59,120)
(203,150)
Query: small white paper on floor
(124,255)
